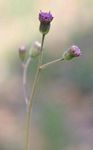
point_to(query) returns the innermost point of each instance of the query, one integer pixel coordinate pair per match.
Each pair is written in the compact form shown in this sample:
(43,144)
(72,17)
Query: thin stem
(29,108)
(25,67)
(50,63)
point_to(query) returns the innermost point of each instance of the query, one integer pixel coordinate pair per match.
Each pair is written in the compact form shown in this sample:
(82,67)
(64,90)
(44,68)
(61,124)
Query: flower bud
(35,49)
(73,51)
(45,20)
(22,52)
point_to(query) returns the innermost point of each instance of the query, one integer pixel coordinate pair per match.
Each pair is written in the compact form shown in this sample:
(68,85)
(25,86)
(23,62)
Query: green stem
(25,67)
(29,106)
(50,63)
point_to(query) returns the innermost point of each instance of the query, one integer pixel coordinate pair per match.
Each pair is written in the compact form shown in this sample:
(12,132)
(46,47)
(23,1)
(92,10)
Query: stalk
(29,106)
(51,63)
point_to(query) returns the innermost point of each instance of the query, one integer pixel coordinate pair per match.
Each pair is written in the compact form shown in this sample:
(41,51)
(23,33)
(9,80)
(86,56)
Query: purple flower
(75,51)
(45,17)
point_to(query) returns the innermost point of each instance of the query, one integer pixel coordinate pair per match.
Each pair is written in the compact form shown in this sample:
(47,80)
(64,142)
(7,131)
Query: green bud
(22,52)
(67,56)
(73,51)
(35,50)
(44,28)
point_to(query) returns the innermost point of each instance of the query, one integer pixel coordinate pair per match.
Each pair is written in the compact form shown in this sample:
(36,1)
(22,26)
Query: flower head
(35,50)
(73,51)
(22,52)
(45,17)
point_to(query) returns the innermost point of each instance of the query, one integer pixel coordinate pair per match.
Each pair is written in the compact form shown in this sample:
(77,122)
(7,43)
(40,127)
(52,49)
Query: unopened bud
(73,51)
(22,52)
(35,50)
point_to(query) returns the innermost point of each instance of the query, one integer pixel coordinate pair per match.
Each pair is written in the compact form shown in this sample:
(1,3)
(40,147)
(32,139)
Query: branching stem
(29,106)
(50,63)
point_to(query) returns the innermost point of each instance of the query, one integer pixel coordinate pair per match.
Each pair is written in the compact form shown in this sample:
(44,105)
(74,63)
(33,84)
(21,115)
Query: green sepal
(34,52)
(67,56)
(44,28)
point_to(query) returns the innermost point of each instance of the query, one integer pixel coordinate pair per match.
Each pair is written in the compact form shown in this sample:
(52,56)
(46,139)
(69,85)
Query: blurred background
(62,113)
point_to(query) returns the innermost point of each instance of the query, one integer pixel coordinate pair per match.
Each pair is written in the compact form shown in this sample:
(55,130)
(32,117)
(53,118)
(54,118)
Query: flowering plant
(36,50)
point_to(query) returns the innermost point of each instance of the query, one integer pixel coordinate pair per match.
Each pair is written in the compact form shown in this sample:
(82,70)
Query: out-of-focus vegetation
(63,105)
